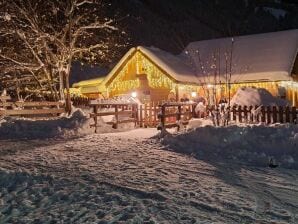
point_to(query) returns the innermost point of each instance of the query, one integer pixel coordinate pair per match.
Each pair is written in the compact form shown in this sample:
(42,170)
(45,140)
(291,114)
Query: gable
(126,77)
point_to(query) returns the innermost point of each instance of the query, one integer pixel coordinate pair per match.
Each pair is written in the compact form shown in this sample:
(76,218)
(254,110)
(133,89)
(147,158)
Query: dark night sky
(171,24)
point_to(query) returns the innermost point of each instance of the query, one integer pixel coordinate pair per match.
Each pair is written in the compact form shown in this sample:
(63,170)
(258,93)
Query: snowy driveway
(119,178)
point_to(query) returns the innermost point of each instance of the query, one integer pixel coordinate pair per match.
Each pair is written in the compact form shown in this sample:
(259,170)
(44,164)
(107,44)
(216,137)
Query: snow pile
(254,145)
(251,96)
(65,126)
(199,122)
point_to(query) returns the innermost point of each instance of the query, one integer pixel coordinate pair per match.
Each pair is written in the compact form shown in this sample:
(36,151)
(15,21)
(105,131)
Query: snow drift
(65,126)
(251,96)
(249,144)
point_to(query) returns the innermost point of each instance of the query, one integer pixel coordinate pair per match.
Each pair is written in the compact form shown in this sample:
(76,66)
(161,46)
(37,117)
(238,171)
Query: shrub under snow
(254,144)
(251,96)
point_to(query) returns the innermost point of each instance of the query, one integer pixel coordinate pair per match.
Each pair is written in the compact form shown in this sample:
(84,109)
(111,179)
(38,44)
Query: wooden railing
(176,113)
(80,101)
(31,108)
(129,110)
(268,114)
(148,114)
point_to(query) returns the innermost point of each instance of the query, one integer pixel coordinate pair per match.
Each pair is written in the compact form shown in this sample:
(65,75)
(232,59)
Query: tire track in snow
(120,179)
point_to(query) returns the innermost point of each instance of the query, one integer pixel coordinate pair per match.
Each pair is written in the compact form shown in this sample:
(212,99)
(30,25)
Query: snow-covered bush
(251,96)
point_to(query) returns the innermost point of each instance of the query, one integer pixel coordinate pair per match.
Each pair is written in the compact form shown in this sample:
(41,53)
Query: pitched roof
(89,82)
(260,57)
(268,56)
(174,65)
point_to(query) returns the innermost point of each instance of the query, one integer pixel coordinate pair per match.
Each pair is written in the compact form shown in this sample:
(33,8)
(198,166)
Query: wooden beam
(31,112)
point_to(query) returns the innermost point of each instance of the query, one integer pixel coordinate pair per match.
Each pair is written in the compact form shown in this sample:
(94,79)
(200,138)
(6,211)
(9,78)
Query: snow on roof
(260,57)
(89,82)
(174,65)
(266,57)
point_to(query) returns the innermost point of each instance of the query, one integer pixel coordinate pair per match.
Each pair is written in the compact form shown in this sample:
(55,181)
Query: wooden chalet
(204,68)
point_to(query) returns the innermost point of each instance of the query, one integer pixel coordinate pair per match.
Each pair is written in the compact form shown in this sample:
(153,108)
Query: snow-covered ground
(129,177)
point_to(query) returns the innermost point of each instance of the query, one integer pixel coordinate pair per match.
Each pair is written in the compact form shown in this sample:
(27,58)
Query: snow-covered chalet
(266,60)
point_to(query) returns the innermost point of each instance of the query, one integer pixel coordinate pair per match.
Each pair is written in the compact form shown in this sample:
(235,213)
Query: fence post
(154,113)
(116,116)
(245,113)
(145,115)
(162,118)
(150,113)
(268,112)
(250,115)
(287,112)
(281,114)
(233,113)
(141,116)
(95,107)
(193,112)
(294,115)
(239,114)
(135,113)
(178,117)
(263,114)
(274,114)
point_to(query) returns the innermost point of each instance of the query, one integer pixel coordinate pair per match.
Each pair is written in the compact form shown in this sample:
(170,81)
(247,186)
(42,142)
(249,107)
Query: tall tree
(42,39)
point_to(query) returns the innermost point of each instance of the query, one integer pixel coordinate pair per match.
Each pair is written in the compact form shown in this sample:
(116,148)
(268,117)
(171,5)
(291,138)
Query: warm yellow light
(193,94)
(134,94)
(209,86)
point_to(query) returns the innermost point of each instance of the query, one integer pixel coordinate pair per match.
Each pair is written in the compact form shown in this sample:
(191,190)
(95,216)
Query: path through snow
(121,178)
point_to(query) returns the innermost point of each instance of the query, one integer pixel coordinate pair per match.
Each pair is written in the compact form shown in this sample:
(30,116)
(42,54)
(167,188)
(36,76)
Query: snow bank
(75,125)
(65,126)
(251,96)
(250,144)
(198,122)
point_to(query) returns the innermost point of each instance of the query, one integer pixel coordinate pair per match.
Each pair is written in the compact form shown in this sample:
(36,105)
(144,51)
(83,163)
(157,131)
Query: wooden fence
(31,108)
(174,114)
(148,114)
(80,101)
(128,110)
(268,115)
